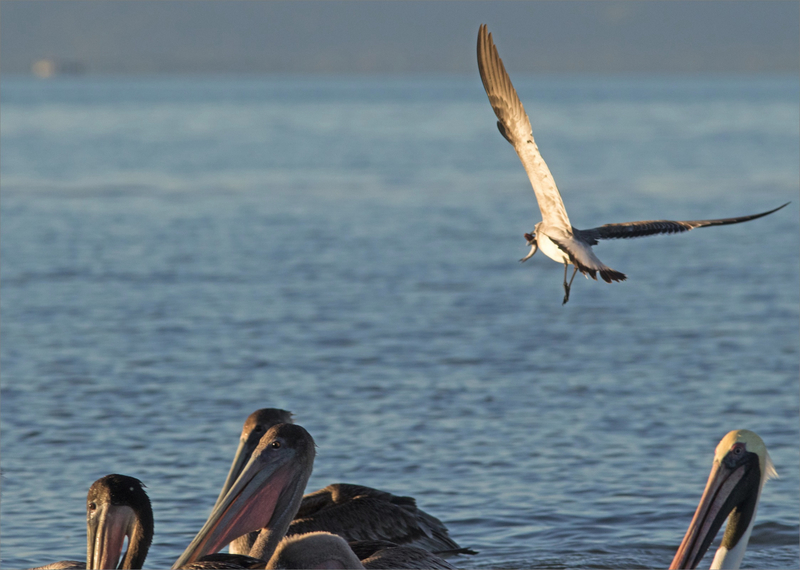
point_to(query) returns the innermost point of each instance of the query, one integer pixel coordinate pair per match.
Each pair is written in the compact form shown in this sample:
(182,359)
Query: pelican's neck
(271,535)
(139,541)
(285,510)
(726,559)
(734,542)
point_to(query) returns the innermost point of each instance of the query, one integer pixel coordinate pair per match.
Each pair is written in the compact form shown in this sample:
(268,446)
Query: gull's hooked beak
(534,247)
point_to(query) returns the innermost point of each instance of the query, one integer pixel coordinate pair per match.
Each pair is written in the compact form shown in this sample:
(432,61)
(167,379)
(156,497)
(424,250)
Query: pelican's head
(740,469)
(266,494)
(255,426)
(739,441)
(117,506)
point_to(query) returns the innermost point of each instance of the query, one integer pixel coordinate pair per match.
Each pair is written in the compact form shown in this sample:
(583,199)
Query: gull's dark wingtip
(748,218)
(776,209)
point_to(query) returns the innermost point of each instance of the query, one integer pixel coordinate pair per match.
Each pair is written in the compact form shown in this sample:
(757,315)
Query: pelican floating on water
(354,512)
(116,507)
(265,496)
(741,467)
(555,235)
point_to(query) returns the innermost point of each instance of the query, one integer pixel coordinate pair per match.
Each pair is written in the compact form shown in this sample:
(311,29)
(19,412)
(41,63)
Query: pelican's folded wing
(515,126)
(364,518)
(355,512)
(653,227)
(405,557)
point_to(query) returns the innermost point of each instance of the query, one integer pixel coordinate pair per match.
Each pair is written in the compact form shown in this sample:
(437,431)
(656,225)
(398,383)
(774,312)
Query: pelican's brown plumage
(326,550)
(354,512)
(117,506)
(266,495)
(361,513)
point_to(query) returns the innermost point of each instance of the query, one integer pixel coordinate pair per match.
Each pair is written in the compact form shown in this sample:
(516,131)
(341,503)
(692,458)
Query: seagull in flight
(555,235)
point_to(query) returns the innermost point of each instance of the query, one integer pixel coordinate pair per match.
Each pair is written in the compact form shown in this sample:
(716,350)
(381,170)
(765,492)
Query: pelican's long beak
(105,535)
(243,453)
(255,427)
(247,506)
(733,488)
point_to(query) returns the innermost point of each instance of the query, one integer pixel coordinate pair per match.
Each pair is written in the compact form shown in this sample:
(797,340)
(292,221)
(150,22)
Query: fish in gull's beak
(531,238)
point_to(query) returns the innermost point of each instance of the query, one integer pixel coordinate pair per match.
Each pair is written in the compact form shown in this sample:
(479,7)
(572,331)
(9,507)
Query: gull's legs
(568,286)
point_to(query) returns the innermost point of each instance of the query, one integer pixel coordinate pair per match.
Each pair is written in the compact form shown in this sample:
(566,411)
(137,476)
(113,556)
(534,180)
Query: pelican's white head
(752,443)
(740,469)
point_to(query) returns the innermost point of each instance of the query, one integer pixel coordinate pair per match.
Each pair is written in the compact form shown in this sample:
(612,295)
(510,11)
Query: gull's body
(555,235)
(354,512)
(741,467)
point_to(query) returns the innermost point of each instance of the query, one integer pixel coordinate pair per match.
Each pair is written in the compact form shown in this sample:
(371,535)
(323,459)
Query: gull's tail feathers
(582,257)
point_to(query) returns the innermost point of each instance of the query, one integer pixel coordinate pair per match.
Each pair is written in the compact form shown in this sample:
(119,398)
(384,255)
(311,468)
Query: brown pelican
(555,235)
(741,467)
(265,496)
(326,550)
(116,507)
(354,512)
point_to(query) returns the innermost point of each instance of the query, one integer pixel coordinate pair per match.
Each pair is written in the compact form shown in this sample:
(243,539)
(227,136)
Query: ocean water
(177,253)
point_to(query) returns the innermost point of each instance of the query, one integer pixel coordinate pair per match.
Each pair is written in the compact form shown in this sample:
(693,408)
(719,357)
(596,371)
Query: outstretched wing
(515,126)
(653,227)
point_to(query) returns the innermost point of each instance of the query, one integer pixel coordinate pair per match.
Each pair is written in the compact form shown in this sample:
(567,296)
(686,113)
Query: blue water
(179,252)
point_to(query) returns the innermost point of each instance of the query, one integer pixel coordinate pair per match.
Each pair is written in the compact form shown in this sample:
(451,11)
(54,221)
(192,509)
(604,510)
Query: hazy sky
(401,37)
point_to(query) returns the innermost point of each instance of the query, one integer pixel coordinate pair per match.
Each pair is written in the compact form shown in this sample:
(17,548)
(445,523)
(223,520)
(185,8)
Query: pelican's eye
(275,445)
(738,449)
(92,506)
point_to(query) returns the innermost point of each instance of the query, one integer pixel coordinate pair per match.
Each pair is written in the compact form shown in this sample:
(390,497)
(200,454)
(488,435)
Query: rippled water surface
(178,253)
